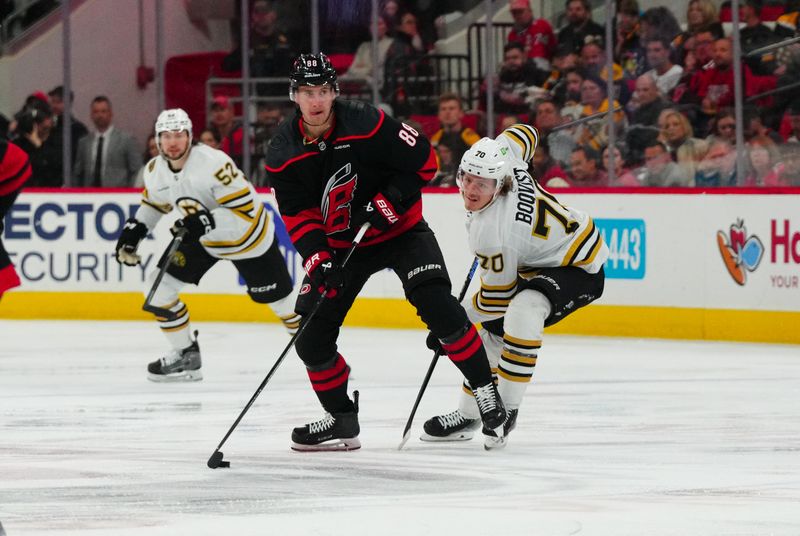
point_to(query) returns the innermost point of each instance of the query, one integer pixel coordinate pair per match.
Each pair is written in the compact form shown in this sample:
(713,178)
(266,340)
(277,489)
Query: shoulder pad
(284,146)
(356,118)
(151,165)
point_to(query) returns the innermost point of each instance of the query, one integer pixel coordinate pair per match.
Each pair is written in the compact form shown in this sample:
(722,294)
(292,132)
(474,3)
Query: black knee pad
(317,344)
(438,308)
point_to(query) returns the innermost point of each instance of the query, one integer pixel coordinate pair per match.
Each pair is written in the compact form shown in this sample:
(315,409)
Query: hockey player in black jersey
(335,166)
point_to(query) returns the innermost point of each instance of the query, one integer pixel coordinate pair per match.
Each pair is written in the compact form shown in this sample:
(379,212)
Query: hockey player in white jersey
(223,218)
(539,261)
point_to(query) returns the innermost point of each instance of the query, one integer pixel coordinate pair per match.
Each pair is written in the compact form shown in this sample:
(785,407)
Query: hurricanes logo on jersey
(336,199)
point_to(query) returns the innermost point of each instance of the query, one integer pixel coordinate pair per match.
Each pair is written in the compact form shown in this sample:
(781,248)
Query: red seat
(341,62)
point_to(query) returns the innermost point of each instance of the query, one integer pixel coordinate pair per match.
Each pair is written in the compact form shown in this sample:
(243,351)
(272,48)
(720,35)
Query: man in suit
(108,157)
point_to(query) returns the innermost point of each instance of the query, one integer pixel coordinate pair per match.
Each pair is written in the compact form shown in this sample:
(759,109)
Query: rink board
(684,264)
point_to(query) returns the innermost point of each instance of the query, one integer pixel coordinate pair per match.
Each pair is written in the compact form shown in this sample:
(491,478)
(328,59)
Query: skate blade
(185,376)
(495,443)
(464,435)
(329,446)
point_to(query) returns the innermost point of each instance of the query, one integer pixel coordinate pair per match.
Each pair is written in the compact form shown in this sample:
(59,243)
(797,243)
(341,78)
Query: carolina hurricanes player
(224,219)
(15,170)
(334,166)
(540,260)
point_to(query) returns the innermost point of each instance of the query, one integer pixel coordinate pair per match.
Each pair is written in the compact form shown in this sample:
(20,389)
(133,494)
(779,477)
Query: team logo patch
(740,253)
(305,289)
(179,259)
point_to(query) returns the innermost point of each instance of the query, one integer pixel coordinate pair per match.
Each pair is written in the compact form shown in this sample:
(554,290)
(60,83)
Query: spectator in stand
(628,49)
(753,125)
(402,57)
(648,102)
(453,133)
(593,61)
(546,117)
(227,129)
(698,59)
(269,116)
(716,87)
(723,127)
(718,167)
(763,155)
(659,23)
(271,52)
(77,129)
(594,133)
(665,73)
(108,157)
(660,170)
(755,35)
(701,15)
(677,135)
(584,169)
(517,74)
(210,138)
(150,152)
(794,121)
(579,26)
(788,24)
(572,107)
(788,171)
(546,170)
(536,35)
(390,10)
(623,177)
(34,123)
(564,59)
(448,166)
(361,68)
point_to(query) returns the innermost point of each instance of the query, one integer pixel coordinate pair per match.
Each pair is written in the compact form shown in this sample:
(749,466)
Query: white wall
(105,54)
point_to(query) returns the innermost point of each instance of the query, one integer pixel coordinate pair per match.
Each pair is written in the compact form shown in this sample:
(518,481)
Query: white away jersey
(522,231)
(210,180)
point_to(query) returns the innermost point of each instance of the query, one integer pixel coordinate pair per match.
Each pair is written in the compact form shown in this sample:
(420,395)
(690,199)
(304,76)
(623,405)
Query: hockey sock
(284,308)
(176,327)
(329,382)
(465,350)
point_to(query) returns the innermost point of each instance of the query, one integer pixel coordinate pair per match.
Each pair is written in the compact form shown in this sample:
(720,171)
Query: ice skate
(177,366)
(491,441)
(453,426)
(336,431)
(493,413)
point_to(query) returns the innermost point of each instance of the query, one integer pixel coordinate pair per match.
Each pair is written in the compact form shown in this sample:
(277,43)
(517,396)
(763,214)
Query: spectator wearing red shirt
(536,35)
(226,129)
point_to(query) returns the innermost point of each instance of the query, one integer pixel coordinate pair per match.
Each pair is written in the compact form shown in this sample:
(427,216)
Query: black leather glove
(434,343)
(196,225)
(324,273)
(381,212)
(132,233)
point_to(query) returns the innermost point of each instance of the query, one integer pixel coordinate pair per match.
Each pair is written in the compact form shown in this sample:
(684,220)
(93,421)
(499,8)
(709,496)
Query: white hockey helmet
(173,120)
(487,159)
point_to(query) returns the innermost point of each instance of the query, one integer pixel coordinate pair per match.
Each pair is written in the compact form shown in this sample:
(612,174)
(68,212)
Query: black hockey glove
(324,273)
(434,343)
(132,233)
(381,212)
(196,225)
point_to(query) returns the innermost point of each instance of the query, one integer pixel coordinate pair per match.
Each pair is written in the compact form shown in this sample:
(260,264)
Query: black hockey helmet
(312,70)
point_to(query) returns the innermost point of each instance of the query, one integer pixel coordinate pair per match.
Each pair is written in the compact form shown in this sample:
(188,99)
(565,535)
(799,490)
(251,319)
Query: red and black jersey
(15,168)
(319,185)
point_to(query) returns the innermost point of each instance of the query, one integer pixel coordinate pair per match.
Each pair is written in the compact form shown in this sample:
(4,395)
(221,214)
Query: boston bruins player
(539,261)
(334,166)
(223,218)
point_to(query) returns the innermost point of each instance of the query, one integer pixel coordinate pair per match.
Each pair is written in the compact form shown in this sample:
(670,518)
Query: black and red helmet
(312,70)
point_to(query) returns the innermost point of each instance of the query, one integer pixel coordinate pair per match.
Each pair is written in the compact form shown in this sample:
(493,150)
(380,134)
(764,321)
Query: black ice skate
(337,431)
(493,413)
(491,441)
(177,366)
(453,426)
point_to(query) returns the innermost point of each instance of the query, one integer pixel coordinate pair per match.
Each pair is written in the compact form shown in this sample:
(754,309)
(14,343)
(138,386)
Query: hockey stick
(216,458)
(167,259)
(407,430)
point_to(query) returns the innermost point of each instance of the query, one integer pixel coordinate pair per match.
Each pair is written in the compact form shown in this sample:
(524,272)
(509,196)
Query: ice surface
(616,437)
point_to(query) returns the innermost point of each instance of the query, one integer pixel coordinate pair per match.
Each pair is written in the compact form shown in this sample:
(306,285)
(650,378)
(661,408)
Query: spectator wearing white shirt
(665,73)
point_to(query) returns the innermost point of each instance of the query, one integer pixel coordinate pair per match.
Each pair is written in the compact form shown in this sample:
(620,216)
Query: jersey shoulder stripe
(525,137)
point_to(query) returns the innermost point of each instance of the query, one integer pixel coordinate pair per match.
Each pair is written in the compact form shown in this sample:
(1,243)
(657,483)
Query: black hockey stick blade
(216,461)
(166,260)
